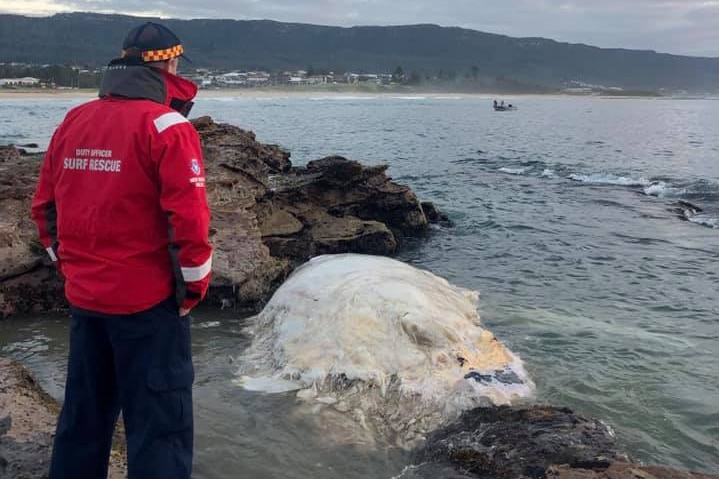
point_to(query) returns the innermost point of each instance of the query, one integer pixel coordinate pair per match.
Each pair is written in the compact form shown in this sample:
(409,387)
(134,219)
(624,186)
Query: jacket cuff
(189,303)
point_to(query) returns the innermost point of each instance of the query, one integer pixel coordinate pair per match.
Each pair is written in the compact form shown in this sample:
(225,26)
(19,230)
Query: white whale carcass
(399,349)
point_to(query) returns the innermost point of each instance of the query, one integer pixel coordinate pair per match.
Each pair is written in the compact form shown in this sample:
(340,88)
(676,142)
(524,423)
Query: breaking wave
(514,171)
(703,191)
(704,220)
(661,189)
(610,179)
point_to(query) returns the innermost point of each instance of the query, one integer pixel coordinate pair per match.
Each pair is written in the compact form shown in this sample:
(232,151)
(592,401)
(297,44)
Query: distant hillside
(93,39)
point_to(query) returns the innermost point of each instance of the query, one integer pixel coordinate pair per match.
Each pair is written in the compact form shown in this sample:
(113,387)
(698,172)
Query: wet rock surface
(27,420)
(624,470)
(27,425)
(27,280)
(267,217)
(539,442)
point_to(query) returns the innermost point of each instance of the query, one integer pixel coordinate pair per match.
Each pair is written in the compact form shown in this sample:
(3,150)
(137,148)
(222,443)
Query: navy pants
(141,364)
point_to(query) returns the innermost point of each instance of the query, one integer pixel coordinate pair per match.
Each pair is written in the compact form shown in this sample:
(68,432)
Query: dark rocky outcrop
(27,280)
(684,209)
(27,421)
(539,442)
(268,216)
(27,426)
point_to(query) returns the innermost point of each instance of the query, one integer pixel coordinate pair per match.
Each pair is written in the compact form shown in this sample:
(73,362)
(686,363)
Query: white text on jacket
(93,160)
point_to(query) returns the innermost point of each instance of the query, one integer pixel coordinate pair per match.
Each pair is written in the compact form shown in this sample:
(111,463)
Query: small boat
(502,107)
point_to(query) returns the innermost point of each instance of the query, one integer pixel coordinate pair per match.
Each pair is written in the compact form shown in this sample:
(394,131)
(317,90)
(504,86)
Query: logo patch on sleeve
(195,166)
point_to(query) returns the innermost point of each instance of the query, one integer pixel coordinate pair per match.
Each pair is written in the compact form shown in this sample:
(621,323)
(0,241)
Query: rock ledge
(267,217)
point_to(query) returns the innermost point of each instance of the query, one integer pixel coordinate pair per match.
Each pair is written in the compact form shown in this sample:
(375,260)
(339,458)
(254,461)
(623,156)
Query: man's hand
(184,311)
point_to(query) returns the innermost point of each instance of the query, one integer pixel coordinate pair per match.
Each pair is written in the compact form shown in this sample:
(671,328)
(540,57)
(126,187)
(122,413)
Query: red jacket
(120,204)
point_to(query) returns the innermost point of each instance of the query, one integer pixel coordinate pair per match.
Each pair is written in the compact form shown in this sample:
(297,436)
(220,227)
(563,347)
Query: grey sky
(680,26)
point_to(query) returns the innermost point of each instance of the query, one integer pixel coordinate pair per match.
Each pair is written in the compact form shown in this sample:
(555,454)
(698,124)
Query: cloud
(34,7)
(678,26)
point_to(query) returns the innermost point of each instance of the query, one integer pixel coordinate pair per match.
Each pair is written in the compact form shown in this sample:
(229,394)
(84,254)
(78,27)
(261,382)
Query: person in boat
(495,103)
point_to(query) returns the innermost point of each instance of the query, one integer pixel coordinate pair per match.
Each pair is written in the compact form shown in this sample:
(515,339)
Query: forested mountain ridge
(429,50)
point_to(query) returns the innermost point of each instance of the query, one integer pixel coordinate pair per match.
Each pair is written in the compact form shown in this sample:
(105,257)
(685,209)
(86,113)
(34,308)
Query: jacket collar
(129,78)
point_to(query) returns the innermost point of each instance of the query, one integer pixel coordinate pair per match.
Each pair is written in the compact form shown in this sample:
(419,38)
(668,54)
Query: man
(122,210)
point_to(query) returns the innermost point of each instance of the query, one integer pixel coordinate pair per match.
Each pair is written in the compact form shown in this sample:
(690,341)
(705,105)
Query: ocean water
(567,220)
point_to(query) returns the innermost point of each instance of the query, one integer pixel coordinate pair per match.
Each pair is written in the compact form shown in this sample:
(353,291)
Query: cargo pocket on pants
(171,390)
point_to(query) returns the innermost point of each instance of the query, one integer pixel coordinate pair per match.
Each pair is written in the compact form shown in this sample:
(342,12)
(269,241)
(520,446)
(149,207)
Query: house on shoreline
(25,82)
(74,76)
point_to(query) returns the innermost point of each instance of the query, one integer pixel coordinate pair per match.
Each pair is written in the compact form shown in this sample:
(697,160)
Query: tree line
(53,75)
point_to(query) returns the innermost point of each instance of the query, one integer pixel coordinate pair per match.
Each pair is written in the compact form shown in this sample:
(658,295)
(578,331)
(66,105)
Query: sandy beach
(39,94)
(35,94)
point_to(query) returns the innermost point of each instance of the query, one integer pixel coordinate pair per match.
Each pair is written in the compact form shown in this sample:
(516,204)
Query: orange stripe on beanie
(162,55)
